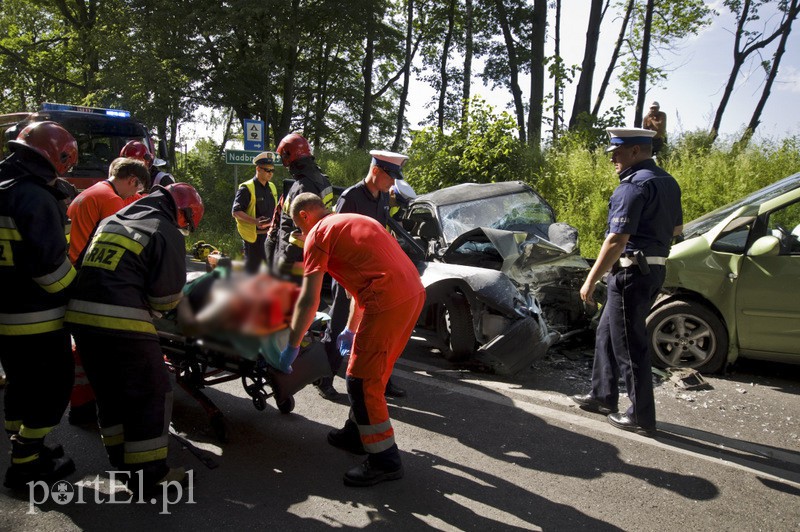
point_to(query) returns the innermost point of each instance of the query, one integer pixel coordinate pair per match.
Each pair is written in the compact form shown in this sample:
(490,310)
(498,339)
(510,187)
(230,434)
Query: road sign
(241,157)
(254,135)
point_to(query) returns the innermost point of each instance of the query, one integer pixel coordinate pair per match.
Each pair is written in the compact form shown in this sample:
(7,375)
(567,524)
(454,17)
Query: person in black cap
(369,197)
(644,215)
(253,209)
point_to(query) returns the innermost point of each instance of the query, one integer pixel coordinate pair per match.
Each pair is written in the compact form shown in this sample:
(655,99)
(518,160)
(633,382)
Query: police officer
(644,215)
(133,268)
(387,299)
(253,209)
(35,274)
(369,197)
(295,153)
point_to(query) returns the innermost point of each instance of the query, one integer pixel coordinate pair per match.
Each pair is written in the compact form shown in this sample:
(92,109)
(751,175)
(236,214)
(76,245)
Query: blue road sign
(254,135)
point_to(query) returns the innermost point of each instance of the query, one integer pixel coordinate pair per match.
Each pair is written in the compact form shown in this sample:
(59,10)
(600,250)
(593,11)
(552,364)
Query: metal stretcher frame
(200,362)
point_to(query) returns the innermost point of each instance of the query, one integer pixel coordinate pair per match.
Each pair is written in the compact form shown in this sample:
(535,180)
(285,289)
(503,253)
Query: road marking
(671,437)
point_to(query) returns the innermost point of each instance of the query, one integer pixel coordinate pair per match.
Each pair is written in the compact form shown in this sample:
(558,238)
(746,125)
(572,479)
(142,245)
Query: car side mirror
(765,246)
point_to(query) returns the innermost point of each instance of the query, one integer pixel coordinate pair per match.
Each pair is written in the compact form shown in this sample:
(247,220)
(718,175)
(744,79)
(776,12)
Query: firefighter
(295,153)
(137,150)
(126,178)
(253,209)
(388,297)
(35,273)
(134,268)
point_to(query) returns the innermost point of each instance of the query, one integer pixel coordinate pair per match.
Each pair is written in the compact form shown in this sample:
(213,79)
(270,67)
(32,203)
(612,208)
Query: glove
(344,342)
(287,356)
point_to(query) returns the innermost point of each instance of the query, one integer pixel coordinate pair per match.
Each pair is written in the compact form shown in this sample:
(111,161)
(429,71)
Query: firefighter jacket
(35,271)
(308,178)
(133,267)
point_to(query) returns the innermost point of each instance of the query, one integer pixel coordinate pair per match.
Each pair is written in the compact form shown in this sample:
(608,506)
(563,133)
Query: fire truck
(100,133)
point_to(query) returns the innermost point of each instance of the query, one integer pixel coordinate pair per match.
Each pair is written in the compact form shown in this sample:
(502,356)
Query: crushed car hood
(526,257)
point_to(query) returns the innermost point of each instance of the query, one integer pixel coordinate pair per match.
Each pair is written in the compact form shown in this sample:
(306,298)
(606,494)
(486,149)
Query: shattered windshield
(520,211)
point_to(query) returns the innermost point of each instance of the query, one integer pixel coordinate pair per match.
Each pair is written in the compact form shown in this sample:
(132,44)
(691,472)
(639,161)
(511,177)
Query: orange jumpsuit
(368,262)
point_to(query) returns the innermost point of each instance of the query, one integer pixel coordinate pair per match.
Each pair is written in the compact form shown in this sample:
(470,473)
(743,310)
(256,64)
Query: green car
(733,285)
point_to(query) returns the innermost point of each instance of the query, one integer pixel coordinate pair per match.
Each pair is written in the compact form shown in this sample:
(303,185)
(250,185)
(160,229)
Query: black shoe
(347,439)
(326,389)
(590,404)
(85,414)
(393,390)
(367,474)
(622,421)
(45,469)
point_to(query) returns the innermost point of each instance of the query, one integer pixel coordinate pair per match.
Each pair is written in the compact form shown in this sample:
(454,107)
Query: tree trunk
(557,80)
(398,136)
(443,78)
(739,57)
(755,120)
(321,101)
(285,125)
(539,23)
(614,56)
(642,92)
(468,44)
(366,73)
(513,67)
(583,93)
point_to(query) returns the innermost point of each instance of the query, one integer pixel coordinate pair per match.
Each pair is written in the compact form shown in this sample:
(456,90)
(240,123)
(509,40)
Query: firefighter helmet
(189,204)
(51,141)
(137,150)
(292,147)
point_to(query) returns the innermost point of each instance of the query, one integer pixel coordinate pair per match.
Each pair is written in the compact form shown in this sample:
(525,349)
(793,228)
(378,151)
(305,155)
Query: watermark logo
(111,491)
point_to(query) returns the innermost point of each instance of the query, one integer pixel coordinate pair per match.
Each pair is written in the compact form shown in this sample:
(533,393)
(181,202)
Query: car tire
(455,328)
(687,334)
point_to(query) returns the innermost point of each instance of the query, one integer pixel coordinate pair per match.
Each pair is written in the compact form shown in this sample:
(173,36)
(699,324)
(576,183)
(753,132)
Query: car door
(768,291)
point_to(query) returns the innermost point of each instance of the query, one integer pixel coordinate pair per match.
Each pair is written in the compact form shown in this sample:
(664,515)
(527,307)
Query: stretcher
(226,356)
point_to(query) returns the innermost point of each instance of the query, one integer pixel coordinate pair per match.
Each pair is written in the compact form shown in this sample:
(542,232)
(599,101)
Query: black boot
(369,474)
(31,461)
(85,414)
(347,438)
(326,389)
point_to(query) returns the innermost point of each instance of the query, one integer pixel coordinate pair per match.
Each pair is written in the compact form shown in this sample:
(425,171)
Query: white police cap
(265,157)
(389,161)
(621,136)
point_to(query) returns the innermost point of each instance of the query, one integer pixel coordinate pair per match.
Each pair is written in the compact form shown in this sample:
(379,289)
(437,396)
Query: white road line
(432,376)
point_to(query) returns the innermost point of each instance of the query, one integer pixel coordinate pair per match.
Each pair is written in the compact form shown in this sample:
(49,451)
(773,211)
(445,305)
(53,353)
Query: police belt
(627,262)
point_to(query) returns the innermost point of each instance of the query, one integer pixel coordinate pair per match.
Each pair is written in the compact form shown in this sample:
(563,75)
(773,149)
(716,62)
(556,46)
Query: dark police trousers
(621,345)
(255,253)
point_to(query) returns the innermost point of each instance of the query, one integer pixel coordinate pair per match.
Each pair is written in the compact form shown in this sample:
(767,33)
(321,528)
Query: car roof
(471,191)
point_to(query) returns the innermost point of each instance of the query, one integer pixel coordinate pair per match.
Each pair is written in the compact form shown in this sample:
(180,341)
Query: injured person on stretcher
(228,327)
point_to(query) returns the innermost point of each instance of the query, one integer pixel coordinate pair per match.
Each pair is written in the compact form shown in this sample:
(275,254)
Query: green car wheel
(687,334)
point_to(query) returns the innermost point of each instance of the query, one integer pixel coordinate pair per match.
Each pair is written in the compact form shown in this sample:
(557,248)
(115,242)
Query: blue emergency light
(117,113)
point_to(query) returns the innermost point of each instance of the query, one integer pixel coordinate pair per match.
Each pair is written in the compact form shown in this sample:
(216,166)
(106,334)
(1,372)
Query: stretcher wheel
(260,400)
(286,406)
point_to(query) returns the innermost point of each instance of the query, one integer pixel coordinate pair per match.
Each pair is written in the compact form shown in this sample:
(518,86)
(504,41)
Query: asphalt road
(480,453)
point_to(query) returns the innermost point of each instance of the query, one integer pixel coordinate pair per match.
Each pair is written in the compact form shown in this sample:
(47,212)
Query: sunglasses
(267,170)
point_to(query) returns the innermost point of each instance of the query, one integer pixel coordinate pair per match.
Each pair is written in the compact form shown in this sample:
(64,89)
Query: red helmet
(189,203)
(136,150)
(52,142)
(292,147)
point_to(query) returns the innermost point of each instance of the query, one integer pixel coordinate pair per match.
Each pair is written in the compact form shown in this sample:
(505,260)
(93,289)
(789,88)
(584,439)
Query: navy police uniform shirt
(265,202)
(647,206)
(358,199)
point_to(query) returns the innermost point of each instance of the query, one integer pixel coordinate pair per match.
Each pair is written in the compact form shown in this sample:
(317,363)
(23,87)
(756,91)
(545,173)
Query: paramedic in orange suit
(388,297)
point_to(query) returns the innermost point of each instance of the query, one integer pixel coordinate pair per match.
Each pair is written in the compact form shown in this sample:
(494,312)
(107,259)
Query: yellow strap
(32,328)
(146,456)
(34,434)
(108,322)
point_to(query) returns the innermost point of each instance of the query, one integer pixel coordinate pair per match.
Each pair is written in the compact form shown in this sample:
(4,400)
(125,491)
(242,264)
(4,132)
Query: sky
(699,68)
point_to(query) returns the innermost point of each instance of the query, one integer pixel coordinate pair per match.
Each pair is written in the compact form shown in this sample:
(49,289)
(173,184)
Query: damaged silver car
(502,276)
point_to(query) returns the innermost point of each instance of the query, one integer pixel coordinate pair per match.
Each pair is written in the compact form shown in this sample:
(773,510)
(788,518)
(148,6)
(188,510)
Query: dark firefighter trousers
(134,399)
(40,373)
